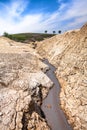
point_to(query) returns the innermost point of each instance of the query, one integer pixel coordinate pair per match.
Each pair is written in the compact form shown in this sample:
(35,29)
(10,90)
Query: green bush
(5,34)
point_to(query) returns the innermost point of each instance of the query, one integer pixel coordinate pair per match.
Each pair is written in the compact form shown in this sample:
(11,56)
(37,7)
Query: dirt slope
(68,52)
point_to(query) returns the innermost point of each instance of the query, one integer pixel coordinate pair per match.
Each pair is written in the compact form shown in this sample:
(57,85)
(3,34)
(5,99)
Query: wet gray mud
(51,104)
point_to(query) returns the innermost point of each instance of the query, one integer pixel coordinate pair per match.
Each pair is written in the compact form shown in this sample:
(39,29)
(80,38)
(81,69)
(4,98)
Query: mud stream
(51,104)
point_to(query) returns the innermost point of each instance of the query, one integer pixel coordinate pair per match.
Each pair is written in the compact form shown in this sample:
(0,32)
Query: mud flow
(51,104)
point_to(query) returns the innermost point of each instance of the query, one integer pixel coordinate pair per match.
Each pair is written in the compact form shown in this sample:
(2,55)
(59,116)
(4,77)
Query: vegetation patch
(28,37)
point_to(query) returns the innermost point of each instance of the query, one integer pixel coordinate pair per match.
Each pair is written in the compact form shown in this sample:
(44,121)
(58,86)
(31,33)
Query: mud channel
(51,104)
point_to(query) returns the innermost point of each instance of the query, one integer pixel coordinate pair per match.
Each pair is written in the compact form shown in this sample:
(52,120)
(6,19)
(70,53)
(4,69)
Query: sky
(19,16)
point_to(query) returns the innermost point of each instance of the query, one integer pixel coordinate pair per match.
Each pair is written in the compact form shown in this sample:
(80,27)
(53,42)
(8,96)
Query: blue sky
(17,16)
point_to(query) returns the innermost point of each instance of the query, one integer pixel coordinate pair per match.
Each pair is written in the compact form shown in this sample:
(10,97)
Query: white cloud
(76,9)
(77,22)
(16,8)
(68,16)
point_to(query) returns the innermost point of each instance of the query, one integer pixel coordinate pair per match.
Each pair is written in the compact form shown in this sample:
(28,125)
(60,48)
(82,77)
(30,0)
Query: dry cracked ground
(68,53)
(22,87)
(23,84)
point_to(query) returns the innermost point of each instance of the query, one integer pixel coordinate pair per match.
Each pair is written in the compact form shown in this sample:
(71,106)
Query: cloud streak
(68,16)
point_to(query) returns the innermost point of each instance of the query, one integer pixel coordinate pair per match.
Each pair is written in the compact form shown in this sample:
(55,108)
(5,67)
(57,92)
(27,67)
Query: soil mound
(68,52)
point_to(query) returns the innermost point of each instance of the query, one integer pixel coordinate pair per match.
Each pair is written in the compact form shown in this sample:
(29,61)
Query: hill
(28,37)
(68,53)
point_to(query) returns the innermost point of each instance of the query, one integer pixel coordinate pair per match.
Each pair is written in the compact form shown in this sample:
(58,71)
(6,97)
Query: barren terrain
(23,83)
(68,53)
(22,87)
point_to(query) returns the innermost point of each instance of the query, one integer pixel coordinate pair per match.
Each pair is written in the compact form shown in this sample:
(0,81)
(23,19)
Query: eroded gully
(51,104)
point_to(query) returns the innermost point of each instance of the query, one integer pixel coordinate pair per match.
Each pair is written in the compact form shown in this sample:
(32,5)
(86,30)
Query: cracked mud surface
(22,85)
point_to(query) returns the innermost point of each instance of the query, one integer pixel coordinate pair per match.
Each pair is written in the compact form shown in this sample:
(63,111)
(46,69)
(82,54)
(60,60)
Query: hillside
(68,53)
(28,37)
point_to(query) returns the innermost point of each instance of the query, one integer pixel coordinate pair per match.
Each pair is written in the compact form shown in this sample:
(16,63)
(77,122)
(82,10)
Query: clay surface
(23,86)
